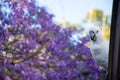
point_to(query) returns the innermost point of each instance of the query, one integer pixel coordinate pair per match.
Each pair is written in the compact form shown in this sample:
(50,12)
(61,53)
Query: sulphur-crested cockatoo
(99,47)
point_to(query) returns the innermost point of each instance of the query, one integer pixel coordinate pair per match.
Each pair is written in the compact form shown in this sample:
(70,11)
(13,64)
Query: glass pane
(54,39)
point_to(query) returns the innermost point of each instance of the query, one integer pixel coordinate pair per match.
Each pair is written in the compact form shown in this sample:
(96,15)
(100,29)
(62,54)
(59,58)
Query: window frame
(114,48)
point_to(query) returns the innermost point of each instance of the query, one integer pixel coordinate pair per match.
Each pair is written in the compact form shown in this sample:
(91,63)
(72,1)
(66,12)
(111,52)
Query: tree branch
(2,59)
(31,56)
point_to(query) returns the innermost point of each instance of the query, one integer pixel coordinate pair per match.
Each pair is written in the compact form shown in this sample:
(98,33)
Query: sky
(74,11)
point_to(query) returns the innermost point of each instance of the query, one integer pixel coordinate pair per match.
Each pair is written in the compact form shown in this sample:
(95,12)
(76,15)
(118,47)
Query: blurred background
(81,15)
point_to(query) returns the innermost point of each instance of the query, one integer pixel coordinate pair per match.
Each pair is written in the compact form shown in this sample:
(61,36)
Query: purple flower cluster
(20,37)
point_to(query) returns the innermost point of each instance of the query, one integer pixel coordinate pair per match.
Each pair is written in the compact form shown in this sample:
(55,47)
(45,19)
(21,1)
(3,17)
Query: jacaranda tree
(34,47)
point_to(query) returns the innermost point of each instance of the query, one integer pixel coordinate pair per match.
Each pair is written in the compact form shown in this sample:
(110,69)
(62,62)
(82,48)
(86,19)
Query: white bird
(99,48)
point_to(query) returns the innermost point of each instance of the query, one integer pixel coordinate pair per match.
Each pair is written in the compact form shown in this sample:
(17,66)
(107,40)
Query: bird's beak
(92,35)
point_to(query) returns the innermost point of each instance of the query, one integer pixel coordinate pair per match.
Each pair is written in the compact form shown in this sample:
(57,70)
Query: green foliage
(67,24)
(95,15)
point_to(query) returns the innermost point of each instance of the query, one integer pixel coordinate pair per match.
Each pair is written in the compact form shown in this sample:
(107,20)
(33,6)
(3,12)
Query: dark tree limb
(13,61)
(31,56)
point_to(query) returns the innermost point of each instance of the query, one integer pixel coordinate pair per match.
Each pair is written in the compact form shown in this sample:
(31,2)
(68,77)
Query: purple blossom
(59,60)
